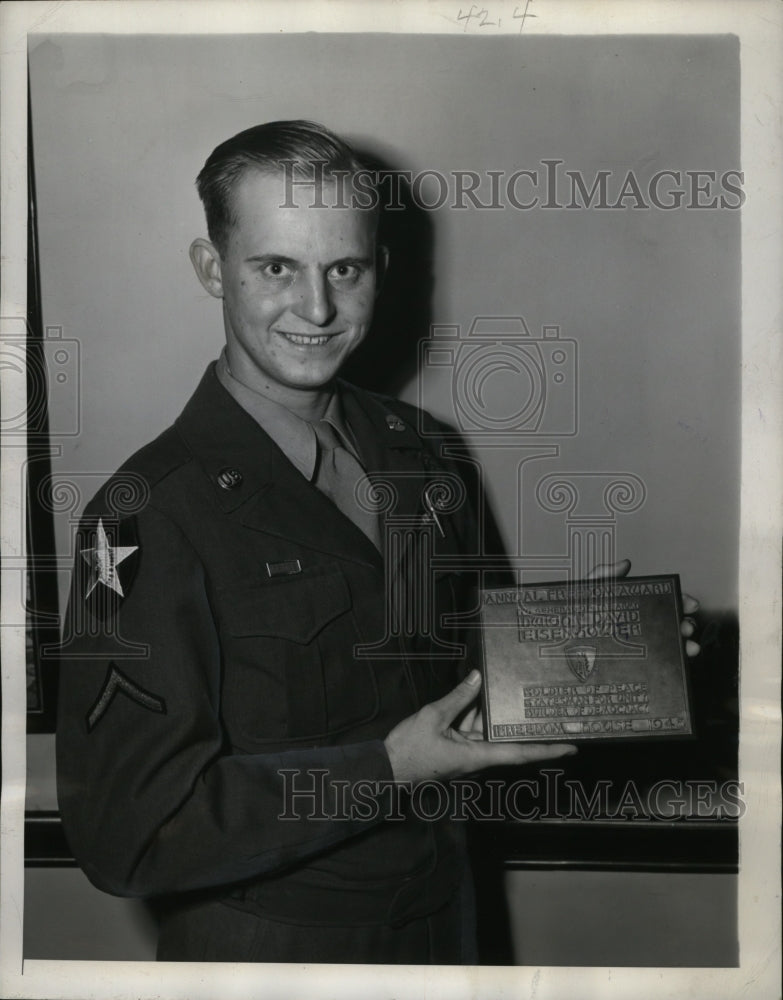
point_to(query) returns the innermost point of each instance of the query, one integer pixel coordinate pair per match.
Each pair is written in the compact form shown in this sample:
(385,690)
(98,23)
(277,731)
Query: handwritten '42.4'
(479,17)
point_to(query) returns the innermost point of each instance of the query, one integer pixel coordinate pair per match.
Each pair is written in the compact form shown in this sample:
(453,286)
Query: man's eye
(345,272)
(275,269)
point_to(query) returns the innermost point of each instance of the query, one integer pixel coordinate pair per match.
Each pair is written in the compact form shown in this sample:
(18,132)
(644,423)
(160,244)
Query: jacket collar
(269,494)
(379,431)
(294,435)
(395,455)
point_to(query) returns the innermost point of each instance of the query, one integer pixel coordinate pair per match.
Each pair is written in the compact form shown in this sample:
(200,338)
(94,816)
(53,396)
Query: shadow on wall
(387,359)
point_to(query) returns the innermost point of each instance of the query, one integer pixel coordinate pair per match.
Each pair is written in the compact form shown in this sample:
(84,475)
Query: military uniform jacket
(235,652)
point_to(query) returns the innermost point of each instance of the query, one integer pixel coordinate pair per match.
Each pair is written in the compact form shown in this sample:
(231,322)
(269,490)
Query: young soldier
(224,741)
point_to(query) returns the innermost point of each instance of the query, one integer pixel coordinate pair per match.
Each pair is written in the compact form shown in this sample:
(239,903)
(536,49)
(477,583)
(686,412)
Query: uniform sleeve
(152,799)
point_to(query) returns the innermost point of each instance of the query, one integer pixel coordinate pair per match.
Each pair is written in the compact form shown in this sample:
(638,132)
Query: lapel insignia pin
(394,423)
(432,511)
(229,479)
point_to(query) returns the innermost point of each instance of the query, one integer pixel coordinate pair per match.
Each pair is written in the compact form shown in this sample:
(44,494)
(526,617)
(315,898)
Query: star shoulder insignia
(104,559)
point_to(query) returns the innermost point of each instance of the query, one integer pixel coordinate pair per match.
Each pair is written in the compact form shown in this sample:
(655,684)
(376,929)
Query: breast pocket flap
(296,607)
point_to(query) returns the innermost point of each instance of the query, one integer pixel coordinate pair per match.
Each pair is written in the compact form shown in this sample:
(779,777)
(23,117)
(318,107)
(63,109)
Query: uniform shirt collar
(292,434)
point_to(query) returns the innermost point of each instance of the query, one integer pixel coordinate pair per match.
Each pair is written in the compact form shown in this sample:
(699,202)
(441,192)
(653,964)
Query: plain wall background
(122,124)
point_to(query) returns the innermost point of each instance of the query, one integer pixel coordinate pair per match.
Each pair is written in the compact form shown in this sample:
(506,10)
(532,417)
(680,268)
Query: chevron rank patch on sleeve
(115,683)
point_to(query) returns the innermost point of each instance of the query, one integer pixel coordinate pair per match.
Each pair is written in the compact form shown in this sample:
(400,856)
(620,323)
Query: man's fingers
(451,704)
(471,725)
(607,571)
(688,625)
(469,720)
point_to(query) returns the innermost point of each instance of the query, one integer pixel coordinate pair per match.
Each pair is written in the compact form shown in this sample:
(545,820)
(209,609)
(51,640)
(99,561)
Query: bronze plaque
(594,660)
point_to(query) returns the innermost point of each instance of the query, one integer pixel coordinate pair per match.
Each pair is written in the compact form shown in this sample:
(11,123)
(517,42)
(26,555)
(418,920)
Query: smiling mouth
(307,340)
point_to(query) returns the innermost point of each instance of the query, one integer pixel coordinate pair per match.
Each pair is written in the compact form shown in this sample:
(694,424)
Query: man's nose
(314,300)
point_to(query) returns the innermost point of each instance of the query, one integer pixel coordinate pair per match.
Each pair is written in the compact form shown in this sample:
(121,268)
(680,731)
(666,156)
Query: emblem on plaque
(581,660)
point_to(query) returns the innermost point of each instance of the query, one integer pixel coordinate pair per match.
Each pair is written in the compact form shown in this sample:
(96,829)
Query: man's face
(298,285)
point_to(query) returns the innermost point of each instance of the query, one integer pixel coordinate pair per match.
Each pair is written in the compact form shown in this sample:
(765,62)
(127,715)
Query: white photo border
(759,26)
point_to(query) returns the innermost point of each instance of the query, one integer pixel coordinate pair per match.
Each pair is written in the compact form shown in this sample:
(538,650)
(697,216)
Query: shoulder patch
(106,563)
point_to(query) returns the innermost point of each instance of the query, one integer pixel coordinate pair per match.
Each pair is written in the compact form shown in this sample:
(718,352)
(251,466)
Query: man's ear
(381,266)
(206,263)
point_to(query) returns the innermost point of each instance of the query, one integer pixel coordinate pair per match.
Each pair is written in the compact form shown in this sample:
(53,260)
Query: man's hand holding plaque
(601,658)
(428,745)
(449,737)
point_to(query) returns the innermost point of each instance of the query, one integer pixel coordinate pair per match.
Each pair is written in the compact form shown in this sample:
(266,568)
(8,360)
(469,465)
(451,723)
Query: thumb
(460,697)
(609,571)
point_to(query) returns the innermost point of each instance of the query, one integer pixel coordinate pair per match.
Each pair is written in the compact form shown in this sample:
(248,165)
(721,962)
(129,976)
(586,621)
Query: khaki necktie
(338,475)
